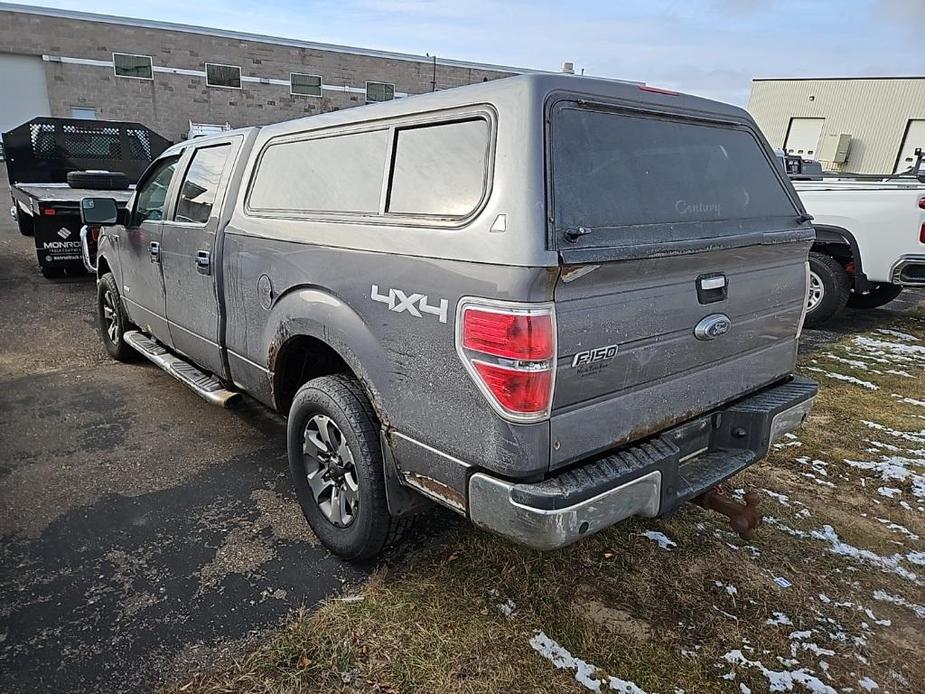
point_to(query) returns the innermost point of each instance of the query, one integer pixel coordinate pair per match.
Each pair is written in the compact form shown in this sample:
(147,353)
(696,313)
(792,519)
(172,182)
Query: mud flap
(401,500)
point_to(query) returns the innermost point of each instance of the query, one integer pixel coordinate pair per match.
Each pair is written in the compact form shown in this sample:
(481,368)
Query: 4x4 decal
(415,304)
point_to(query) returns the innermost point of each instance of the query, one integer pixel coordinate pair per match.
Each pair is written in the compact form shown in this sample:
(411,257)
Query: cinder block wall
(170,100)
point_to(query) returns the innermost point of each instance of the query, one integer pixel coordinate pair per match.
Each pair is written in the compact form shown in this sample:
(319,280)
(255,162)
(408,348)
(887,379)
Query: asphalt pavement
(144,534)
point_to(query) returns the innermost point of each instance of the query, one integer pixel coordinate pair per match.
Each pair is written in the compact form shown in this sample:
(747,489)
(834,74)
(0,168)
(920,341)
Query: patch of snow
(782,582)
(913,436)
(779,619)
(867,684)
(507,608)
(895,469)
(743,689)
(562,659)
(910,401)
(896,527)
(892,349)
(895,333)
(780,680)
(844,377)
(835,545)
(917,558)
(900,372)
(888,492)
(782,499)
(663,540)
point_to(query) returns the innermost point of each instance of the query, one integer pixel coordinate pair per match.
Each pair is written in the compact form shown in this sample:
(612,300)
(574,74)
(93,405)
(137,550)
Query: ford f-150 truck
(547,302)
(870,242)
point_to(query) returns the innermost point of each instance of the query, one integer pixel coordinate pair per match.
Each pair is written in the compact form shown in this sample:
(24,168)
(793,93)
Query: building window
(228,76)
(83,112)
(306,85)
(136,66)
(379,91)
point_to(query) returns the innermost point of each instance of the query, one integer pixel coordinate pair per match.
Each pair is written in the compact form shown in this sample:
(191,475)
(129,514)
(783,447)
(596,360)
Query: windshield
(632,179)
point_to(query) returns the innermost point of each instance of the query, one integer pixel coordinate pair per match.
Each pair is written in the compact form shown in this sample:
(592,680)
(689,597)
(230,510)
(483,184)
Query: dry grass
(659,618)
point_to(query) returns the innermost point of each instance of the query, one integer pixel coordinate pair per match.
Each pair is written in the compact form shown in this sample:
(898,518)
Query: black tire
(112,326)
(25,222)
(98,180)
(830,288)
(878,295)
(340,400)
(52,273)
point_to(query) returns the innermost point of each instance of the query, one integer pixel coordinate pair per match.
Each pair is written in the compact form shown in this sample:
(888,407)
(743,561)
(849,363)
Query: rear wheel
(25,222)
(878,295)
(829,288)
(336,465)
(111,319)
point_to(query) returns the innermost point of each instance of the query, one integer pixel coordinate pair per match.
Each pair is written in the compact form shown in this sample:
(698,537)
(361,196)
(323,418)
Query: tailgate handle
(711,288)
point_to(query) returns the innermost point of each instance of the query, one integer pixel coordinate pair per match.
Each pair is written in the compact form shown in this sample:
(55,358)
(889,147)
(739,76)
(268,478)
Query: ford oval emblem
(712,326)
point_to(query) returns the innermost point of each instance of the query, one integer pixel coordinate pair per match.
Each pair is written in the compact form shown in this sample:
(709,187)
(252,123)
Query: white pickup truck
(870,242)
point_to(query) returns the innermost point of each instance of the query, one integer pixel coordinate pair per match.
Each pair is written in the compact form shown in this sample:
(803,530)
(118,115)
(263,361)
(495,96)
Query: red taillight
(508,335)
(510,352)
(922,203)
(524,392)
(922,233)
(49,212)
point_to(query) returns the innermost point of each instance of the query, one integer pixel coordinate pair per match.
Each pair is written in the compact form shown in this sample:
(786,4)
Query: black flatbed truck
(39,155)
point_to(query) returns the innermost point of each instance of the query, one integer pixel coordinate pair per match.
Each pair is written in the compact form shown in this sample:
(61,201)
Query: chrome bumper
(662,474)
(492,508)
(898,273)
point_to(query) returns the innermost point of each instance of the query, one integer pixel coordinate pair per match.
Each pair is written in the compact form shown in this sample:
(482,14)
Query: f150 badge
(595,355)
(415,304)
(712,326)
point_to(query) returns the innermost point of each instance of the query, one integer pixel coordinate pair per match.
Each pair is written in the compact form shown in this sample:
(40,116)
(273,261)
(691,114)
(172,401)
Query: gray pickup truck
(547,302)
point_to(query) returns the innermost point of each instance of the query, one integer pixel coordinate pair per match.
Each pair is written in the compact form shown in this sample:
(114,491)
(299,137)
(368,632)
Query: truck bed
(62,192)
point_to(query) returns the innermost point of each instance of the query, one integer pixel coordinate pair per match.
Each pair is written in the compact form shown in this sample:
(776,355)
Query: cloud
(907,12)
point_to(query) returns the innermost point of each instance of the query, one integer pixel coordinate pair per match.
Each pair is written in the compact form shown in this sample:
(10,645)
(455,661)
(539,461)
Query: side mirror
(99,211)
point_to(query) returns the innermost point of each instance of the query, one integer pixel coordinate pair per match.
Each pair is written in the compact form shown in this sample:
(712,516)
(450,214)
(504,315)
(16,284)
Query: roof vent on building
(568,68)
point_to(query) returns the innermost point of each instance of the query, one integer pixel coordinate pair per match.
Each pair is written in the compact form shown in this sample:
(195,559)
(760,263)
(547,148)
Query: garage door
(22,84)
(803,136)
(915,137)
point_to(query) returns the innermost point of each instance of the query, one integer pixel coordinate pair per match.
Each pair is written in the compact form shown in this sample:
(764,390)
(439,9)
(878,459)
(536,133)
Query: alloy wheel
(816,291)
(330,470)
(110,319)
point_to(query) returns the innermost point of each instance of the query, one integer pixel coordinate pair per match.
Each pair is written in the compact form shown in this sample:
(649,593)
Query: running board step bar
(205,385)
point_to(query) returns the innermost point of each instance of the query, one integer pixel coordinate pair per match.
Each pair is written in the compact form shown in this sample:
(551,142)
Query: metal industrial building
(73,64)
(853,124)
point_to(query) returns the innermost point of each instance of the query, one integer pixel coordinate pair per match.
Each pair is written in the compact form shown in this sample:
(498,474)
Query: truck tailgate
(660,373)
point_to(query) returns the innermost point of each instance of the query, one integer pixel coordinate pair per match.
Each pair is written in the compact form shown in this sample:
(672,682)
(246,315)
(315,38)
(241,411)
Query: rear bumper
(646,479)
(909,271)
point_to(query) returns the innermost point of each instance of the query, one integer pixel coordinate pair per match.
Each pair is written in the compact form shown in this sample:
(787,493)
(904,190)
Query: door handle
(155,248)
(204,262)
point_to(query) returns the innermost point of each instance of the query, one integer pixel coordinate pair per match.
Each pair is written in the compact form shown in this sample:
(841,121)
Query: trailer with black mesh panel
(54,162)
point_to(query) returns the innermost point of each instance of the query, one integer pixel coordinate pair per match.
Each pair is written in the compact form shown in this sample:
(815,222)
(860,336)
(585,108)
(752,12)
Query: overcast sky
(708,47)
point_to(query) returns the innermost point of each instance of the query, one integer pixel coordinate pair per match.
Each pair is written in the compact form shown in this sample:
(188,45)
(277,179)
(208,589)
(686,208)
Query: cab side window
(151,196)
(197,194)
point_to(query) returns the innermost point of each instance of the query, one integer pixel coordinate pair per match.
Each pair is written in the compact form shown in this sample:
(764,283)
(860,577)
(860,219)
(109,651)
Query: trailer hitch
(744,518)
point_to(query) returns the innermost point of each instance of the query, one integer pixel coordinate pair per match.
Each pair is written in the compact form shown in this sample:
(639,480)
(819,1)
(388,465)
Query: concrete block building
(867,125)
(164,75)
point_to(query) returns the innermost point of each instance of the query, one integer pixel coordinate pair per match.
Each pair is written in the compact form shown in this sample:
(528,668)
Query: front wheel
(336,465)
(829,288)
(111,319)
(878,295)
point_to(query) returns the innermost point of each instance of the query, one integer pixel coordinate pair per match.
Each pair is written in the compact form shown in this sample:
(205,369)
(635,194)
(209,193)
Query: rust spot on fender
(436,490)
